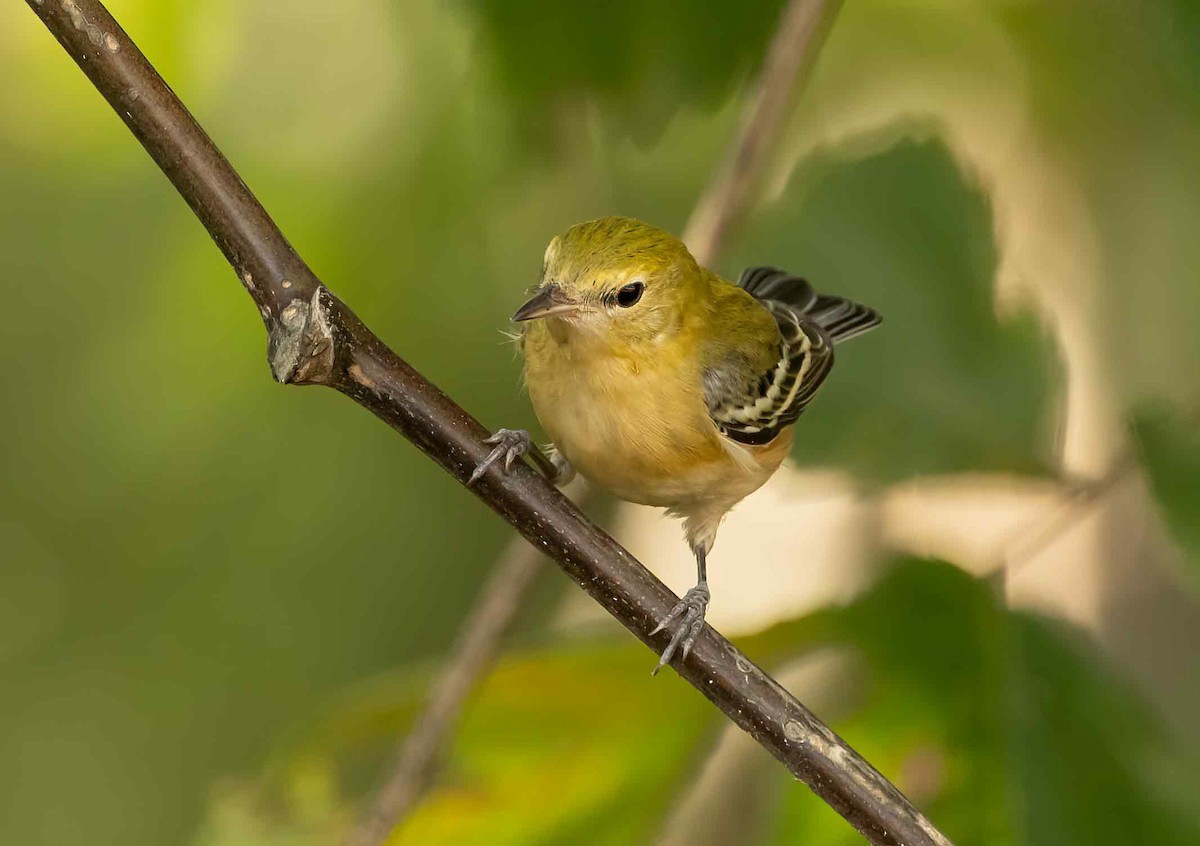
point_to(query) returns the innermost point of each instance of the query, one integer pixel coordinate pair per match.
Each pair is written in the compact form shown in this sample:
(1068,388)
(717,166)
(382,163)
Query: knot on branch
(300,346)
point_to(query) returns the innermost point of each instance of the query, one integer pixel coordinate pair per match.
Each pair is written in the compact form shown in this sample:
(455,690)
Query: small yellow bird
(667,385)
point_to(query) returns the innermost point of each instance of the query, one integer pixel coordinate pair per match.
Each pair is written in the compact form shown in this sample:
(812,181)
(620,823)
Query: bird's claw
(689,612)
(509,443)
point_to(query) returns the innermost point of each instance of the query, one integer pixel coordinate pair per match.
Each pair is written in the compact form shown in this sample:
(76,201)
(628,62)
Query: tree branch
(1081,495)
(317,339)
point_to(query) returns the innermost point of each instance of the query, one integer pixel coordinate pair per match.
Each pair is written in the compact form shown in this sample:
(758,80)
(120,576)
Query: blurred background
(983,567)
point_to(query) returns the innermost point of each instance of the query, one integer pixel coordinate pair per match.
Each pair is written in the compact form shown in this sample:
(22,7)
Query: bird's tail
(841,319)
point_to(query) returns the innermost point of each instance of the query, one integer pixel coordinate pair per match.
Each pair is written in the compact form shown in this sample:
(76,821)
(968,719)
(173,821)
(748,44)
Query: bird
(667,385)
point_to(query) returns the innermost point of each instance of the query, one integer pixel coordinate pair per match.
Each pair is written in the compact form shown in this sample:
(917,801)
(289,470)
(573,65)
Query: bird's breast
(636,425)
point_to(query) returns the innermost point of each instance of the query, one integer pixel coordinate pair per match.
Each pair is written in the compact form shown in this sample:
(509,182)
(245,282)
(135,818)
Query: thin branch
(314,338)
(1025,543)
(420,753)
(724,201)
(791,53)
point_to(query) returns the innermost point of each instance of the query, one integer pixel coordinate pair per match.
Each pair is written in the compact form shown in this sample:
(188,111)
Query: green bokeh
(205,577)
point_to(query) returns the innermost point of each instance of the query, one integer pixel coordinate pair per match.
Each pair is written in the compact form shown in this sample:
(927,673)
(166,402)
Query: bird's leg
(511,444)
(689,612)
(564,473)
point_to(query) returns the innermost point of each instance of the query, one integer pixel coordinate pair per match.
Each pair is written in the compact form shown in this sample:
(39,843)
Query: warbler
(667,385)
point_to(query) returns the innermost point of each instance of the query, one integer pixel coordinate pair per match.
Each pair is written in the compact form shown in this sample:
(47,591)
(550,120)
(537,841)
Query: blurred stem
(790,56)
(314,338)
(1028,541)
(420,754)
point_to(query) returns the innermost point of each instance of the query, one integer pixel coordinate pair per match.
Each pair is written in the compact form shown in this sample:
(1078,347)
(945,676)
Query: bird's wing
(751,406)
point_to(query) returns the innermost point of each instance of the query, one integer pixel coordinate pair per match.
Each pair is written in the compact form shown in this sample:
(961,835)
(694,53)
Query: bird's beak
(549,301)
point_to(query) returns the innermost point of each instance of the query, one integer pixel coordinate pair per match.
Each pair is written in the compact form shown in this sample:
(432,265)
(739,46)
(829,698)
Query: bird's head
(615,278)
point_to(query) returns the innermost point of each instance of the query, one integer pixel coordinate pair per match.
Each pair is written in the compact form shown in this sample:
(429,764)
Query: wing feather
(754,411)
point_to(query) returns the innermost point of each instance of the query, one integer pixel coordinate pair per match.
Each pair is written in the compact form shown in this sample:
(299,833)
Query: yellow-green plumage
(668,385)
(620,391)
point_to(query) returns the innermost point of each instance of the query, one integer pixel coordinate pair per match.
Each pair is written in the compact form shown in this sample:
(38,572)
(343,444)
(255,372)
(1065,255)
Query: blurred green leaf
(640,63)
(598,759)
(1169,443)
(1005,727)
(943,385)
(611,747)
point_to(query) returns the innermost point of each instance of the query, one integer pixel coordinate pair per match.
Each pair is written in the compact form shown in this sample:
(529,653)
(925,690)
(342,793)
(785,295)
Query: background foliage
(221,601)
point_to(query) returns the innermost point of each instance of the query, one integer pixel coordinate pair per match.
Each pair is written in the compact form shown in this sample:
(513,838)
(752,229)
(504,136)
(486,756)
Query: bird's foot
(689,612)
(563,472)
(510,444)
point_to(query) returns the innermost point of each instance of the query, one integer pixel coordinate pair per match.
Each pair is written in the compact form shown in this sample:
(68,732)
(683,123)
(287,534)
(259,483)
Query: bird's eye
(628,295)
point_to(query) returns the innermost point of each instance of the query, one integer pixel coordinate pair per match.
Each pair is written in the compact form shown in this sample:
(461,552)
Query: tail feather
(841,319)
